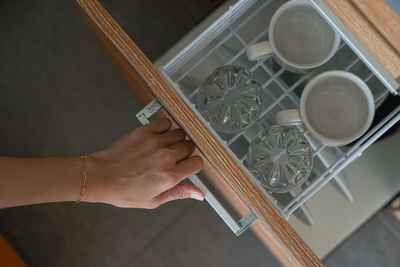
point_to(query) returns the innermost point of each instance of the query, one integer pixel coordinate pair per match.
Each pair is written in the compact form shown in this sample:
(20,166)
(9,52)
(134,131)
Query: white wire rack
(224,43)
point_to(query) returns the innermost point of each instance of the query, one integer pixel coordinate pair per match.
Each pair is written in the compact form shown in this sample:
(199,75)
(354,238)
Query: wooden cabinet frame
(148,83)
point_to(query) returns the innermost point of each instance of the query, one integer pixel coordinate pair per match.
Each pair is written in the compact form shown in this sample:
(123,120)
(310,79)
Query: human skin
(142,169)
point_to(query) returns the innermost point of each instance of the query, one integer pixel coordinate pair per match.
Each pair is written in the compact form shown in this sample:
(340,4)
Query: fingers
(188,167)
(182,149)
(159,126)
(172,137)
(180,191)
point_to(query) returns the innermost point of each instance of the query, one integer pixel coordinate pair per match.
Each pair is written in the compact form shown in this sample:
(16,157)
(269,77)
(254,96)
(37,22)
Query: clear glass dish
(280,157)
(230,99)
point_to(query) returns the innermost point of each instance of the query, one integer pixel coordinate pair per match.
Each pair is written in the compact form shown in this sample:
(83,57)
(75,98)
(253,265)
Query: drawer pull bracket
(237,227)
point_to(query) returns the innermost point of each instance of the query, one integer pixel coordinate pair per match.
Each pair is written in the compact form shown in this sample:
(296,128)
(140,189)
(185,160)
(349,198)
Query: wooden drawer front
(145,79)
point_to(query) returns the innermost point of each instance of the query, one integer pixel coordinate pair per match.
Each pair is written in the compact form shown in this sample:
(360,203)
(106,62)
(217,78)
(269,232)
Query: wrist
(95,184)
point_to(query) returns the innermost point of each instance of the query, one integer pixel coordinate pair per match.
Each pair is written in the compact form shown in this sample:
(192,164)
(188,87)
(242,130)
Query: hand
(144,168)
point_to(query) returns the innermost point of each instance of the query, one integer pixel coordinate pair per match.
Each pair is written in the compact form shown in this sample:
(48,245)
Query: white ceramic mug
(299,38)
(337,107)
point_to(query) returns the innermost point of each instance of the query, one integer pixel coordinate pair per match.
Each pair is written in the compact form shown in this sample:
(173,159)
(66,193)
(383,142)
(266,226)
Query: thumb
(180,191)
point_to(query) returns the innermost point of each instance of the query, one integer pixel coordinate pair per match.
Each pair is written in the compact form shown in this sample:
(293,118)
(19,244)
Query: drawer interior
(225,43)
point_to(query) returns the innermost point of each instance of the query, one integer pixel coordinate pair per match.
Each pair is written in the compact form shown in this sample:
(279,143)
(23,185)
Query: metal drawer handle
(237,227)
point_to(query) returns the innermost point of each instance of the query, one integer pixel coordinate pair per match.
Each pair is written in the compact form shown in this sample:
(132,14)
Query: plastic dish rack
(225,42)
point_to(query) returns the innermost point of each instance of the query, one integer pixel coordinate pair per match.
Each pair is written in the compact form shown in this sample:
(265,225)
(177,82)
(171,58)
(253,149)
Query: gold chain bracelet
(84,178)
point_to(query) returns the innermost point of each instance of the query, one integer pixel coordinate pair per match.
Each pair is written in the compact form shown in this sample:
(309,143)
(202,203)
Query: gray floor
(377,243)
(59,95)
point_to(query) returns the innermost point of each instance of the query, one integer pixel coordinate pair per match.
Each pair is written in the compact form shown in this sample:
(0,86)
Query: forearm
(142,169)
(37,180)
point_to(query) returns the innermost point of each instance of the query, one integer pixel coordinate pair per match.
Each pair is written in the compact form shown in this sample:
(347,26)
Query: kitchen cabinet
(174,85)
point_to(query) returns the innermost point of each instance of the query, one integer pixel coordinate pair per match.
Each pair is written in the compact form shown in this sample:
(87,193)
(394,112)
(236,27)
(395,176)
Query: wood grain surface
(383,18)
(145,78)
(373,30)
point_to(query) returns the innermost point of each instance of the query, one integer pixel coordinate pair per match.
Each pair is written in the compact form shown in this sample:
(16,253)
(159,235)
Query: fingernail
(197,196)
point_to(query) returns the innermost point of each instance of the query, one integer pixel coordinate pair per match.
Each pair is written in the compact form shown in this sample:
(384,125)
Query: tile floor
(59,95)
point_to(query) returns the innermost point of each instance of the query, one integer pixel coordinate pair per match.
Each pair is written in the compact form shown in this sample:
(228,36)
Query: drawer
(175,85)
